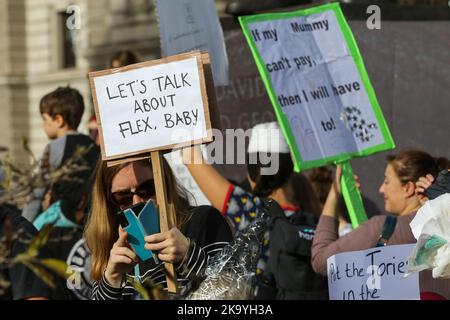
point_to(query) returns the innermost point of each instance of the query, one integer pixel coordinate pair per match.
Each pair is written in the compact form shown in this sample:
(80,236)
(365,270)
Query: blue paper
(141,225)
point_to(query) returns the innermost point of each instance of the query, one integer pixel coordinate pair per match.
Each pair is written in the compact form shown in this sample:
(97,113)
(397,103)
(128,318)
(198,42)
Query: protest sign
(320,90)
(374,274)
(318,85)
(150,107)
(197,28)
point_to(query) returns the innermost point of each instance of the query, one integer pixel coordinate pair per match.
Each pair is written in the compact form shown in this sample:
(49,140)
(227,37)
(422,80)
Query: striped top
(208,232)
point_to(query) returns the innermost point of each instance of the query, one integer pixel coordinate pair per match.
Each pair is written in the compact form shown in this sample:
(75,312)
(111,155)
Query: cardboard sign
(150,106)
(374,274)
(318,85)
(197,28)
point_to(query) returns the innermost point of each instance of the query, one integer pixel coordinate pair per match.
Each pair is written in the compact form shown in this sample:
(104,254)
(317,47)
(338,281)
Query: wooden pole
(166,212)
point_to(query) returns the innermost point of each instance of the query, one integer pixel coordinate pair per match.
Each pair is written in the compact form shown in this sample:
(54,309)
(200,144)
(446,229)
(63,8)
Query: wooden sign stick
(166,212)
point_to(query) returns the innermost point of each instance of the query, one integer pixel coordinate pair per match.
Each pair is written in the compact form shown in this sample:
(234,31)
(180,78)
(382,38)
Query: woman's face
(394,192)
(133,184)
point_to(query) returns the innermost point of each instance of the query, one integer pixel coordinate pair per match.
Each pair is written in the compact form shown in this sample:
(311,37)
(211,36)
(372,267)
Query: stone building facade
(49,43)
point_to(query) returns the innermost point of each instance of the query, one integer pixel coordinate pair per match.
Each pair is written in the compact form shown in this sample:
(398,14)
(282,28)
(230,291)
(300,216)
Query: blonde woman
(200,232)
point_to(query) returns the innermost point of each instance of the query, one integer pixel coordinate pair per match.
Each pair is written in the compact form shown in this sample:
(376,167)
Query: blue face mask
(54,215)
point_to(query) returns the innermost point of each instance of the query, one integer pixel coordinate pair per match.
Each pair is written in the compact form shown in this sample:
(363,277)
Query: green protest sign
(316,80)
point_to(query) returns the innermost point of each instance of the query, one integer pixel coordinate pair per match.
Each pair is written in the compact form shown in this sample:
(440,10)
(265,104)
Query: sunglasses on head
(124,199)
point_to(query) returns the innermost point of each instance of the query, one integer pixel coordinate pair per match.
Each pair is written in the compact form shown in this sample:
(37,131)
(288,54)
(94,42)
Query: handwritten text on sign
(146,108)
(374,274)
(317,85)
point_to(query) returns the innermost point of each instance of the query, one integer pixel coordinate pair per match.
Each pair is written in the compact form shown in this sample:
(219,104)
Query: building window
(67,42)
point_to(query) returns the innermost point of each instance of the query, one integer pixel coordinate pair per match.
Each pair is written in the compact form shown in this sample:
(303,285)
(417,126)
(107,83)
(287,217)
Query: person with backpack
(62,111)
(401,200)
(64,203)
(292,216)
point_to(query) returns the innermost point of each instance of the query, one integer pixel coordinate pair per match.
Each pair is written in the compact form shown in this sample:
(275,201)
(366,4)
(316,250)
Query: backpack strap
(388,229)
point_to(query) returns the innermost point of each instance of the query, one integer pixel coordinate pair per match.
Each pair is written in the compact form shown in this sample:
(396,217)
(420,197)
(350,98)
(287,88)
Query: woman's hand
(121,260)
(336,187)
(333,205)
(171,245)
(421,185)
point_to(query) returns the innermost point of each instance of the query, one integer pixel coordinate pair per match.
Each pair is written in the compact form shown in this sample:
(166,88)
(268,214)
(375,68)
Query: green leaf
(139,288)
(156,291)
(58,266)
(39,241)
(42,274)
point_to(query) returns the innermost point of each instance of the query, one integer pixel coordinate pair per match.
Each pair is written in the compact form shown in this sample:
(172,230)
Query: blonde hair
(101,230)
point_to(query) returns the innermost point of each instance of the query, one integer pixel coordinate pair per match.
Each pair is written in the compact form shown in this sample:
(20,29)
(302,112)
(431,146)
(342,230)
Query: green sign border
(282,119)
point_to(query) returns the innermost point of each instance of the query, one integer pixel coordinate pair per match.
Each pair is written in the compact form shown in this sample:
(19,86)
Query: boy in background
(65,203)
(61,111)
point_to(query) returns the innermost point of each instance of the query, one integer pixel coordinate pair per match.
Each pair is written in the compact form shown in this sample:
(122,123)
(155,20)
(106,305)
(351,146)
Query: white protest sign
(151,106)
(197,27)
(318,85)
(374,274)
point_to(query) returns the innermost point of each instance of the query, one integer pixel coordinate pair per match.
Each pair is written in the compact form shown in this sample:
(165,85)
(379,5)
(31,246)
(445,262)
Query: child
(66,200)
(61,112)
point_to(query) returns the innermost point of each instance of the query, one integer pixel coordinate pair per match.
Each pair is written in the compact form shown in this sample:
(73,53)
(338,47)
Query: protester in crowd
(321,179)
(66,208)
(17,281)
(65,203)
(200,232)
(398,189)
(61,111)
(291,191)
(124,58)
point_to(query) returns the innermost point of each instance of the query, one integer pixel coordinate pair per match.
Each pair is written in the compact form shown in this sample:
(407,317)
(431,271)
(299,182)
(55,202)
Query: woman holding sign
(199,233)
(401,200)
